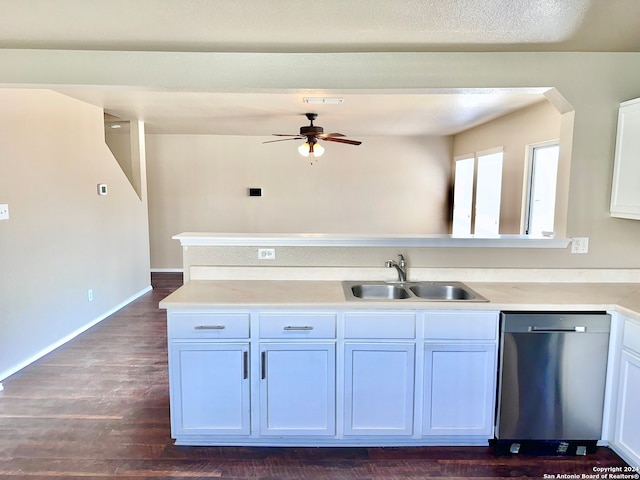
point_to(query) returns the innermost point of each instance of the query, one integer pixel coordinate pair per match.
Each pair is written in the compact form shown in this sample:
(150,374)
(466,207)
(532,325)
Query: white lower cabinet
(379,388)
(318,377)
(627,427)
(297,389)
(459,382)
(460,371)
(210,389)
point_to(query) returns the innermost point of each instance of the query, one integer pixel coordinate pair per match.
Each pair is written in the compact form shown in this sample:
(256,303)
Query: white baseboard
(167,270)
(16,368)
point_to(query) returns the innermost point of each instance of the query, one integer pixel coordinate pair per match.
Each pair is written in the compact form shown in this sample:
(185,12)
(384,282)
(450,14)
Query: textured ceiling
(322,25)
(318,26)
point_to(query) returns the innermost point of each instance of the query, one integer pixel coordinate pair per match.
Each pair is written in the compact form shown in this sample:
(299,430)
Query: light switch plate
(4,211)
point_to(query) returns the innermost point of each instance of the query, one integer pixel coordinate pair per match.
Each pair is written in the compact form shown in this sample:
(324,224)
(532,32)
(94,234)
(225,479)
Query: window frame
(527,190)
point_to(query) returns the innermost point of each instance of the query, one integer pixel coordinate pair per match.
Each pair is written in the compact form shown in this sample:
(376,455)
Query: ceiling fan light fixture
(311,149)
(312,133)
(304,149)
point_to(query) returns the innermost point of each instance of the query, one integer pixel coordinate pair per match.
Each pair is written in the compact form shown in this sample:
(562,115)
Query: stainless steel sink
(411,291)
(378,291)
(438,291)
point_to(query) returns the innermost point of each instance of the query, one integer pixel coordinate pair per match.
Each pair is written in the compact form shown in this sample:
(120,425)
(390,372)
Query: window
(488,191)
(541,191)
(481,203)
(463,196)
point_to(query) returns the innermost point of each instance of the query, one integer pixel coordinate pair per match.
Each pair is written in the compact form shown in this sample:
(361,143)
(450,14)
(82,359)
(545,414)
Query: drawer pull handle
(305,328)
(245,365)
(210,327)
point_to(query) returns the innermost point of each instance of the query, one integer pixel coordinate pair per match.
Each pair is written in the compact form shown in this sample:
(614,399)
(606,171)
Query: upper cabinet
(625,193)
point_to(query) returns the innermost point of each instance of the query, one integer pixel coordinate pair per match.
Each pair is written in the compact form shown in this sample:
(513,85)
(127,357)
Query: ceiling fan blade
(327,135)
(284,139)
(313,133)
(341,140)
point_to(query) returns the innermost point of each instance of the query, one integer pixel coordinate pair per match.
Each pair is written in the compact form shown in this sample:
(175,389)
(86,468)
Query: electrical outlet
(266,254)
(4,211)
(90,295)
(580,245)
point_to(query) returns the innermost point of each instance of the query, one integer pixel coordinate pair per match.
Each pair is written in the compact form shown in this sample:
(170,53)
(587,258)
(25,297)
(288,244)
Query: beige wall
(62,238)
(593,83)
(386,185)
(515,132)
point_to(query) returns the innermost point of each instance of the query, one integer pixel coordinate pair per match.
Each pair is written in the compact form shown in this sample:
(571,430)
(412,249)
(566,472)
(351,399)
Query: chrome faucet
(401,268)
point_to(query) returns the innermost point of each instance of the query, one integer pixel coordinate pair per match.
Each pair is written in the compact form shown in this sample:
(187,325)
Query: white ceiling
(360,114)
(318,26)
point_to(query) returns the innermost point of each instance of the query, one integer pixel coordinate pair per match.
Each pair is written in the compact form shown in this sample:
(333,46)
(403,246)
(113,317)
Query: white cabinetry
(379,373)
(297,389)
(625,192)
(213,393)
(460,373)
(316,377)
(627,429)
(209,374)
(298,374)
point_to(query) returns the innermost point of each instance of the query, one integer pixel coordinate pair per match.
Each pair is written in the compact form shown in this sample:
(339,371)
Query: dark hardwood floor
(98,407)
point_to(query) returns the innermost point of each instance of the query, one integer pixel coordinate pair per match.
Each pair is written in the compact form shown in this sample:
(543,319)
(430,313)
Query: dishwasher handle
(578,329)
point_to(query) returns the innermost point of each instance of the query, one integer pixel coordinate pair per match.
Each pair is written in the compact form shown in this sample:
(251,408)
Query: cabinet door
(627,437)
(297,389)
(379,388)
(625,192)
(209,389)
(459,389)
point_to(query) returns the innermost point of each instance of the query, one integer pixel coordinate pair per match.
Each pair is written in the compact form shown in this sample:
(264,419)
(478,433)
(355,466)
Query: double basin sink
(411,291)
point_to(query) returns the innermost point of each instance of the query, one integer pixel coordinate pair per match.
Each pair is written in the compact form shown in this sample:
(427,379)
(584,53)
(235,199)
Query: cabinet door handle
(263,366)
(245,364)
(304,328)
(210,327)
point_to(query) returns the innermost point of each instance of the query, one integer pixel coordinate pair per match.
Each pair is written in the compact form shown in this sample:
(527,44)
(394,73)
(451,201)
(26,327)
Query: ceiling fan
(312,134)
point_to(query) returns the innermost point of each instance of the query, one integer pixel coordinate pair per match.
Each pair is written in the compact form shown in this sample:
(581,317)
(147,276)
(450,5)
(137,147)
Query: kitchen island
(294,363)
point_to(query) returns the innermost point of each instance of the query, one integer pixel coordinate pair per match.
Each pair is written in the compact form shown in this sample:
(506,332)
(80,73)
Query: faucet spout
(400,267)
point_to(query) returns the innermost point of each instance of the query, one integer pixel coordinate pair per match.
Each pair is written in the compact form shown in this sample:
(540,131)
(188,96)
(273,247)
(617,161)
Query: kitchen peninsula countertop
(622,297)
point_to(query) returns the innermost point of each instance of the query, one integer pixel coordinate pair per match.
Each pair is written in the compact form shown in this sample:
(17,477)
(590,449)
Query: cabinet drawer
(631,337)
(390,325)
(297,325)
(208,325)
(461,326)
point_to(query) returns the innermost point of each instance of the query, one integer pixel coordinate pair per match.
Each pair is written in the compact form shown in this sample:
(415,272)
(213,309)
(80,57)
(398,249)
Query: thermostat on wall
(102,189)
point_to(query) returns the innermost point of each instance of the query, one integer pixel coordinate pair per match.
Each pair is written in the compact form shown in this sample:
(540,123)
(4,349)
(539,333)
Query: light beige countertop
(622,297)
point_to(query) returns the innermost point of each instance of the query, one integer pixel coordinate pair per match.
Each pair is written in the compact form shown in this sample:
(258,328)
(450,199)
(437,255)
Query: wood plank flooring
(98,408)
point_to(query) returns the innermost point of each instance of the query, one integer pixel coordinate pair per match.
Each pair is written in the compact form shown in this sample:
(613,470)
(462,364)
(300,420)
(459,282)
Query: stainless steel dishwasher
(551,382)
